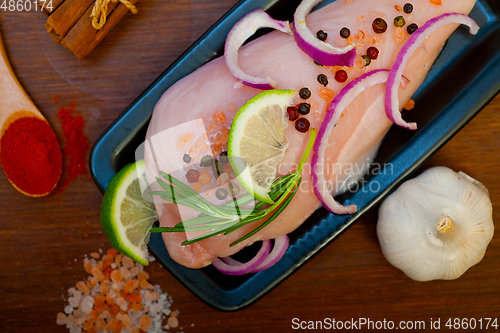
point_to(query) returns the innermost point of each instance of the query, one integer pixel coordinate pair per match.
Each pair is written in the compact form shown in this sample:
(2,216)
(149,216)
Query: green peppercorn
(408,8)
(412,28)
(207,161)
(379,25)
(323,79)
(186,158)
(322,36)
(233,189)
(304,108)
(217,167)
(304,93)
(345,32)
(399,21)
(368,60)
(221,194)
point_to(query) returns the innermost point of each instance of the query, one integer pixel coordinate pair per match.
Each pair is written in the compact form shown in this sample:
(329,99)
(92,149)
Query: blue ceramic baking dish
(466,74)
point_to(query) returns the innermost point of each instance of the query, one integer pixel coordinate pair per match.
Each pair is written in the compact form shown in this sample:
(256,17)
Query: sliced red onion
(243,30)
(323,53)
(337,106)
(278,251)
(391,88)
(246,267)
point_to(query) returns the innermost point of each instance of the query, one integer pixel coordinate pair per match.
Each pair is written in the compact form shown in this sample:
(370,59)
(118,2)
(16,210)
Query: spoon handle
(15,103)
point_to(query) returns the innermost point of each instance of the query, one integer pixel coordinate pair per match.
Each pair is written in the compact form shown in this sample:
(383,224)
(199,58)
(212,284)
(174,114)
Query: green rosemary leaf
(212,233)
(271,218)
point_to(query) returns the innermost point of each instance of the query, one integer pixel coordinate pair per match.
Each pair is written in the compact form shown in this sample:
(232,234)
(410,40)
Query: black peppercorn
(412,28)
(304,93)
(323,79)
(379,25)
(368,60)
(221,194)
(345,32)
(408,8)
(322,36)
(186,158)
(302,125)
(399,21)
(304,108)
(223,157)
(206,161)
(293,113)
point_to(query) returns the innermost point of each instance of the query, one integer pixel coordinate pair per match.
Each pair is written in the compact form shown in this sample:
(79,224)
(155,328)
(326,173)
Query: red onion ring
(246,267)
(243,30)
(280,246)
(337,106)
(391,88)
(321,52)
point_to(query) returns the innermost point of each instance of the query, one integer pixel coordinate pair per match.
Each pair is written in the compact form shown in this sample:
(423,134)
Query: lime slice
(258,137)
(125,216)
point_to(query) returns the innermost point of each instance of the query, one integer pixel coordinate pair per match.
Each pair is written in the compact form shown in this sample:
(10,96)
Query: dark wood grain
(43,240)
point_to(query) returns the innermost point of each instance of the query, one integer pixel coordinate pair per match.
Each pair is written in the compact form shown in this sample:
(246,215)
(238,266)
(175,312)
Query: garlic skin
(436,225)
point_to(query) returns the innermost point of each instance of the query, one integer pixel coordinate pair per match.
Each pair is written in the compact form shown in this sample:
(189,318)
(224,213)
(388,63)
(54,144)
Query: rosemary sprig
(229,217)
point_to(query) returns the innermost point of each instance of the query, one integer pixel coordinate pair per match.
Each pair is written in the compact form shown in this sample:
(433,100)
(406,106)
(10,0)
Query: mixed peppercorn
(221,170)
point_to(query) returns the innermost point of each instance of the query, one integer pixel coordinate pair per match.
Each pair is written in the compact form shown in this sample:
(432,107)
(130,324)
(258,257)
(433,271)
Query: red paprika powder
(31,156)
(76,144)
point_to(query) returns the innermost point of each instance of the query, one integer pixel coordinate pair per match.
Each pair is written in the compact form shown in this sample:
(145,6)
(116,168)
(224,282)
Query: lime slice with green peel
(125,216)
(258,137)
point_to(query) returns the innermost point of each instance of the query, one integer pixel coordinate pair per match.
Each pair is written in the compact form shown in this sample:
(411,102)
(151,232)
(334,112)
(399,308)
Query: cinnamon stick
(53,4)
(83,37)
(66,15)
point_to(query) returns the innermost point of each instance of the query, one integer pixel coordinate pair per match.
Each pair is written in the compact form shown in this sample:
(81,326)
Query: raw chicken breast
(194,116)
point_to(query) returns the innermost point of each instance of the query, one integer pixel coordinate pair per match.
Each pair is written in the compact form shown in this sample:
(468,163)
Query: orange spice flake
(204,179)
(326,94)
(398,8)
(216,148)
(183,140)
(398,35)
(231,107)
(197,187)
(409,105)
(211,128)
(220,117)
(436,2)
(347,0)
(362,18)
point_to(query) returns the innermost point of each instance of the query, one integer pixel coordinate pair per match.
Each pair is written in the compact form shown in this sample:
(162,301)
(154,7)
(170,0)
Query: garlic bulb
(436,225)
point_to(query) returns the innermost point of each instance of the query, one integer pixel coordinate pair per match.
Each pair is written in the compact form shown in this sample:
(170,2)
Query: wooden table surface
(43,241)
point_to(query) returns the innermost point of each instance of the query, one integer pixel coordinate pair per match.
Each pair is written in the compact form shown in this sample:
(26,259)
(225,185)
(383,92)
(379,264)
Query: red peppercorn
(372,52)
(302,125)
(341,76)
(293,113)
(192,176)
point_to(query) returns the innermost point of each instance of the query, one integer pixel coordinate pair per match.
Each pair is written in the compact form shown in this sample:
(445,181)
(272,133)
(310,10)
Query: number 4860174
(472,323)
(26,5)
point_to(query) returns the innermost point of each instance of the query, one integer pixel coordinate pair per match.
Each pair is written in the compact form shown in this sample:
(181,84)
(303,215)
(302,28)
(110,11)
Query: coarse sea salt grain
(127,304)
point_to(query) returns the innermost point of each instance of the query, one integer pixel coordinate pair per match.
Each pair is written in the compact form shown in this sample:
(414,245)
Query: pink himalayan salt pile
(116,297)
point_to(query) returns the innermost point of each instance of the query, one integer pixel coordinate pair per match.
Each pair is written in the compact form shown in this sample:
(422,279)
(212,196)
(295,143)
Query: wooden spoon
(15,105)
